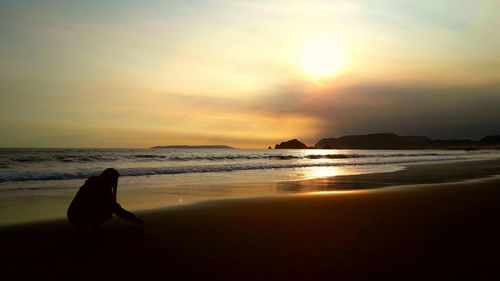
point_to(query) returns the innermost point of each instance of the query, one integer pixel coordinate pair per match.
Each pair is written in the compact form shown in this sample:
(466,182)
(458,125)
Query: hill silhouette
(393,141)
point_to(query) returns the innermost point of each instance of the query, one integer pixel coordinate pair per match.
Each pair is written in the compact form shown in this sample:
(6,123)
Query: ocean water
(18,165)
(38,184)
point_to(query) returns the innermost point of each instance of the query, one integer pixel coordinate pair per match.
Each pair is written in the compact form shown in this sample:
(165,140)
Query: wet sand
(432,232)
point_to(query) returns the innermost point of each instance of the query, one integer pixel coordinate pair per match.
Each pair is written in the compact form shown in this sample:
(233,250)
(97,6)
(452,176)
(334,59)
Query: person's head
(110,177)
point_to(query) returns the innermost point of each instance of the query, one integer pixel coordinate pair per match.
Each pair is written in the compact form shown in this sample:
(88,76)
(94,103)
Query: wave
(63,158)
(149,156)
(156,157)
(82,174)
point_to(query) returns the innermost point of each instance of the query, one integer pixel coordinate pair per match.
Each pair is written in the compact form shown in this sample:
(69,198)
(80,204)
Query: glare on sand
(321,57)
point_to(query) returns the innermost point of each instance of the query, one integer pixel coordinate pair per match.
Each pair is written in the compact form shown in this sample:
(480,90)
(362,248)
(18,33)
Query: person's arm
(122,213)
(114,191)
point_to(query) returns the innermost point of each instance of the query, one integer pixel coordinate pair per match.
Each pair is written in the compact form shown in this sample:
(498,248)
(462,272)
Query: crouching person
(95,202)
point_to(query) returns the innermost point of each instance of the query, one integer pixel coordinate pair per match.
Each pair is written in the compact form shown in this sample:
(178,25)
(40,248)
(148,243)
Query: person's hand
(138,221)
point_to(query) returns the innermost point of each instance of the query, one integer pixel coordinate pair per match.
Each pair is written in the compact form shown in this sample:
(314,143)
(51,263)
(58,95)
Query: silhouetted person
(95,202)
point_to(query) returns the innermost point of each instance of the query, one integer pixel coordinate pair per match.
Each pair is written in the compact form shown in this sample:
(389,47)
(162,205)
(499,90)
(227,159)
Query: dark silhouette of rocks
(193,147)
(417,140)
(490,140)
(462,143)
(371,141)
(291,144)
(327,146)
(327,143)
(269,147)
(393,141)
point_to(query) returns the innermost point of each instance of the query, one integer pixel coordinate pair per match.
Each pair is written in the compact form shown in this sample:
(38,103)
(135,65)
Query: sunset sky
(245,73)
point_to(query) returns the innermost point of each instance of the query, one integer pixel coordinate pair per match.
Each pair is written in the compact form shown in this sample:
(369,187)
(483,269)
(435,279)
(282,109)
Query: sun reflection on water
(329,192)
(323,172)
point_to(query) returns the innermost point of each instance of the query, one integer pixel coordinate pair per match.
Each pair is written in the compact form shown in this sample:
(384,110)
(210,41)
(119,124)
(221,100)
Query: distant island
(393,141)
(192,147)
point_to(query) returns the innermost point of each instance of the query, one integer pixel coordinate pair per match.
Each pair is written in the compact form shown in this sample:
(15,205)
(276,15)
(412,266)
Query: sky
(245,73)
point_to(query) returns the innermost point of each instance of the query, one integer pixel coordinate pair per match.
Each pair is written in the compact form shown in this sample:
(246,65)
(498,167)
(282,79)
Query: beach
(249,140)
(392,227)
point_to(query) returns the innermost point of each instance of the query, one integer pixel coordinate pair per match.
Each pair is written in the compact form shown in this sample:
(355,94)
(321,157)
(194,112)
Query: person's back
(90,205)
(95,201)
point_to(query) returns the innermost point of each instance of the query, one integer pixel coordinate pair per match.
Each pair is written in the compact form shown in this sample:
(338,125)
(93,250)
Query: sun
(321,57)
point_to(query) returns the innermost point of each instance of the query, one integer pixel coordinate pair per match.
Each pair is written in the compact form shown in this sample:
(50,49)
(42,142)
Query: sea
(38,184)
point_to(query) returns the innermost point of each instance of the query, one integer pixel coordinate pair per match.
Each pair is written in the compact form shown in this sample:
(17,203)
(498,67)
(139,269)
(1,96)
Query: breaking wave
(156,157)
(39,175)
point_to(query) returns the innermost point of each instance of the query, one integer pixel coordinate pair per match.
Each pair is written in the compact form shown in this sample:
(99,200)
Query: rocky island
(193,147)
(291,144)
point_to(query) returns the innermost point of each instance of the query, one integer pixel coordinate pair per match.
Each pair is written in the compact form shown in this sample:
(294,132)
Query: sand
(433,232)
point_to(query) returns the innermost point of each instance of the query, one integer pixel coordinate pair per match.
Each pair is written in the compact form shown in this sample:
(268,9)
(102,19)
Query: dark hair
(110,173)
